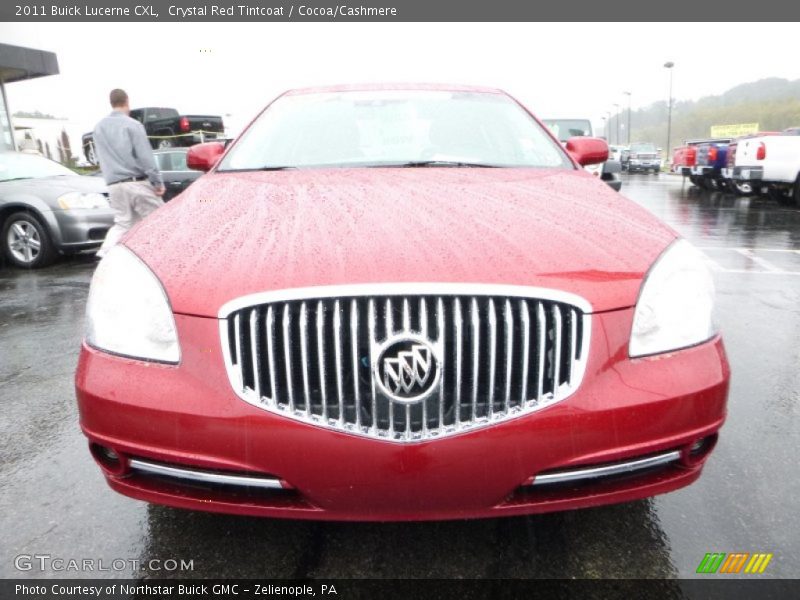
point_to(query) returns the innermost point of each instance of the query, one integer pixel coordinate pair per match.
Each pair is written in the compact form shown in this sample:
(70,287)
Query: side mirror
(202,157)
(587,150)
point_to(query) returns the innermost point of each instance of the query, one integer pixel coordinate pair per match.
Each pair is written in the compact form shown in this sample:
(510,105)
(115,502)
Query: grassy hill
(773,103)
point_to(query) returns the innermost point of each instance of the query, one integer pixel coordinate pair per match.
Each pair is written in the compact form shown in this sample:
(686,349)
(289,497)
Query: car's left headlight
(72,200)
(676,303)
(128,312)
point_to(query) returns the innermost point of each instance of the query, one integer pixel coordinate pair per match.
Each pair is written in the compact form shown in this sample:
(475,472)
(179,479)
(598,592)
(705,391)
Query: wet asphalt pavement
(53,499)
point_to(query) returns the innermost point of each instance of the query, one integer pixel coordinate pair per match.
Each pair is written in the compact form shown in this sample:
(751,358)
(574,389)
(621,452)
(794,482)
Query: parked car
(341,322)
(771,162)
(644,157)
(740,186)
(167,128)
(46,210)
(177,176)
(565,129)
(711,156)
(620,154)
(625,157)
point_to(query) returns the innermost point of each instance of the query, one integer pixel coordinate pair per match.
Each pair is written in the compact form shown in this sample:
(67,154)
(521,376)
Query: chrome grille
(497,351)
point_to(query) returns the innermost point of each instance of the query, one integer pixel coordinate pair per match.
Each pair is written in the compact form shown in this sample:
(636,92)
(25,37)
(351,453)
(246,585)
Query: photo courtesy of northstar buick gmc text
(400,302)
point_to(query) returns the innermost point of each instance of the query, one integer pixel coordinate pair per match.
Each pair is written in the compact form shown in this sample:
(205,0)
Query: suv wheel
(781,196)
(26,242)
(796,192)
(90,154)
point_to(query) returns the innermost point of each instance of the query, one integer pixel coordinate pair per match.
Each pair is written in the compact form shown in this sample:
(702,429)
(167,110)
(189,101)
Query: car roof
(376,87)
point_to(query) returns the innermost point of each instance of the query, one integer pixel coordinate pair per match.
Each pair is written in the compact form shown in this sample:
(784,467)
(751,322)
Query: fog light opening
(699,449)
(108,459)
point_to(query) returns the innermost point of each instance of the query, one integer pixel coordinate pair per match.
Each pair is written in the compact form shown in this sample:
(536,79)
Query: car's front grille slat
(354,362)
(540,354)
(345,362)
(526,349)
(254,354)
(270,327)
(287,356)
(556,360)
(337,353)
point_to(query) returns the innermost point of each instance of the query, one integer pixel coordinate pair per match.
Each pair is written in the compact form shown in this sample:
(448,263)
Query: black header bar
(397,10)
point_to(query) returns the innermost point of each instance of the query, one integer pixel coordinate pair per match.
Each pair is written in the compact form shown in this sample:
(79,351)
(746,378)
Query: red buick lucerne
(400,303)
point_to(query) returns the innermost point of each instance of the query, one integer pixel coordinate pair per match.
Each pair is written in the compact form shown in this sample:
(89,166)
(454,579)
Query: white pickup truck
(771,162)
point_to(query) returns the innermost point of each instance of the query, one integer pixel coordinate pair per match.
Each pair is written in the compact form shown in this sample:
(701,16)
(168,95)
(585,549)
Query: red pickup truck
(684,158)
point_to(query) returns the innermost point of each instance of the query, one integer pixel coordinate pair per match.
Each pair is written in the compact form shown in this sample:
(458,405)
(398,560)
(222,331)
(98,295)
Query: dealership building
(19,64)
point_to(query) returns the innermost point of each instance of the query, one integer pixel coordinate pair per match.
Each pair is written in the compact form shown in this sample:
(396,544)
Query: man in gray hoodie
(126,159)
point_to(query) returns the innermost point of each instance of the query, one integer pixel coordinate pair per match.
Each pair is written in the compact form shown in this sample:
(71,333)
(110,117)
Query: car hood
(233,234)
(50,188)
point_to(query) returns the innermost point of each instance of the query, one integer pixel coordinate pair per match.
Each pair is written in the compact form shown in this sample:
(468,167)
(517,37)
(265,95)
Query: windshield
(171,161)
(564,129)
(643,148)
(394,128)
(15,165)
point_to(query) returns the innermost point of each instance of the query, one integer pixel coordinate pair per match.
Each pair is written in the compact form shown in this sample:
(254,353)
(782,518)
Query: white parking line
(758,260)
(715,266)
(787,250)
(749,272)
(750,255)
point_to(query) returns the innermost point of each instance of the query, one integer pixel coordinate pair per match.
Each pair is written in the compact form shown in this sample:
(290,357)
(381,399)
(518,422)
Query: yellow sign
(733,131)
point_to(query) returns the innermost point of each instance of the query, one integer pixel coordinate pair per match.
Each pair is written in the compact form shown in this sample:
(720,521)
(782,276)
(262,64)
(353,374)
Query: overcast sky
(566,69)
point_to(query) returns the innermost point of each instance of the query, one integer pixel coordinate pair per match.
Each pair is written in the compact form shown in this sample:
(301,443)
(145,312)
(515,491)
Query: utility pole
(628,94)
(616,106)
(669,65)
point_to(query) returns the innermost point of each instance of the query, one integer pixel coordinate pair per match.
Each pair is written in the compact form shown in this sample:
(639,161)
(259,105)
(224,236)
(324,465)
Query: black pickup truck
(166,128)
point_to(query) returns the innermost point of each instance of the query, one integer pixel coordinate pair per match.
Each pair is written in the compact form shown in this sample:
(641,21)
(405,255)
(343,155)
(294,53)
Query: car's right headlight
(73,200)
(676,303)
(128,312)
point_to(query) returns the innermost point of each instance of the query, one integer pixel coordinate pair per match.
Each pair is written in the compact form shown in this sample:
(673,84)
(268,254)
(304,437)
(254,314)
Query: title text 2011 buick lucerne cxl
(400,302)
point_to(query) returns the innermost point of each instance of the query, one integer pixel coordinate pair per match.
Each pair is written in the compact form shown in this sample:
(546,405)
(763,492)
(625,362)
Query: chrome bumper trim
(204,476)
(604,471)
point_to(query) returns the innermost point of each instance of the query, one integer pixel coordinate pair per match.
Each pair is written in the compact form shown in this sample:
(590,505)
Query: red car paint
(234,234)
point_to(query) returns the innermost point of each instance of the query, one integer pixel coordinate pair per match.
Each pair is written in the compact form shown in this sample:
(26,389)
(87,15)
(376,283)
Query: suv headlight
(128,312)
(72,200)
(676,303)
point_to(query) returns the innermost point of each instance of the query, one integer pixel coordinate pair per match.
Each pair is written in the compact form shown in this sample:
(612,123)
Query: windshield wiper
(15,179)
(441,163)
(265,168)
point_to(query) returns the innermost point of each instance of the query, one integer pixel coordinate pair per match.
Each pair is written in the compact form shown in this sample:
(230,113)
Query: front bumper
(636,164)
(188,417)
(82,228)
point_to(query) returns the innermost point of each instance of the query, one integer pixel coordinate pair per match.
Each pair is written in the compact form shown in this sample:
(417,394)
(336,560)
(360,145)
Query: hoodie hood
(232,234)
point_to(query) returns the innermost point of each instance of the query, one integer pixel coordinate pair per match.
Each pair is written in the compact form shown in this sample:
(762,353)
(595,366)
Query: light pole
(668,65)
(605,128)
(628,94)
(608,126)
(616,106)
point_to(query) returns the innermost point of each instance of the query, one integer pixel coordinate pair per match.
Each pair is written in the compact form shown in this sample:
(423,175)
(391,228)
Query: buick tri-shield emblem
(407,369)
